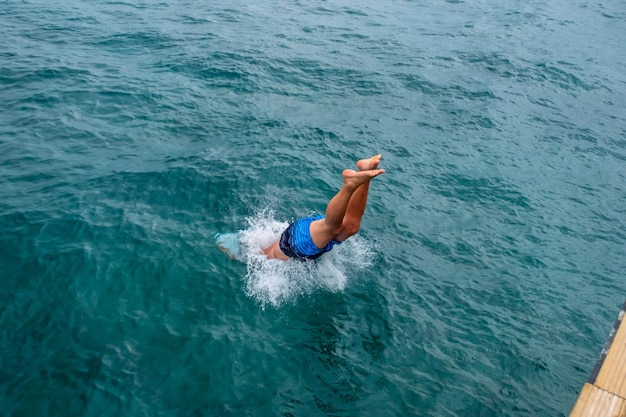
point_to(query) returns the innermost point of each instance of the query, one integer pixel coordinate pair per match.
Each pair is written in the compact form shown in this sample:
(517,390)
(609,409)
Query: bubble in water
(272,281)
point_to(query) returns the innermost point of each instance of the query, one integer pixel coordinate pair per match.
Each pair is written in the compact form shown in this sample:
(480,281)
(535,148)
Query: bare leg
(274,252)
(358,201)
(331,226)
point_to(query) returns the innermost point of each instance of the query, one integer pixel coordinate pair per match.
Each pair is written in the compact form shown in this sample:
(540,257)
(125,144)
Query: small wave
(276,282)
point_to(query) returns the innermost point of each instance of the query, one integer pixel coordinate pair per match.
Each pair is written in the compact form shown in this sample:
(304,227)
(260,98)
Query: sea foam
(276,282)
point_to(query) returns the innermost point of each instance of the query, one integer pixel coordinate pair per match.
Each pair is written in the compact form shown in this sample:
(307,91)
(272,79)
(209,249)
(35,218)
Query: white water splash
(275,282)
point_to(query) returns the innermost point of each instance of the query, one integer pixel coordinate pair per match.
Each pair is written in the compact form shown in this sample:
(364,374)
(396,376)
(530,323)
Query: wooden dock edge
(604,394)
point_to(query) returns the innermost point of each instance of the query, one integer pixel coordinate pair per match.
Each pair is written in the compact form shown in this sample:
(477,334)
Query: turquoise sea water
(490,266)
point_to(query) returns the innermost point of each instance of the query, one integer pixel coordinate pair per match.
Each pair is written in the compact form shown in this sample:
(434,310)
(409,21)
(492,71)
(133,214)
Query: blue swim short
(296,241)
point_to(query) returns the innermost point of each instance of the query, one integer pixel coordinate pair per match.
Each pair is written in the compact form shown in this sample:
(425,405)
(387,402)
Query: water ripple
(131,133)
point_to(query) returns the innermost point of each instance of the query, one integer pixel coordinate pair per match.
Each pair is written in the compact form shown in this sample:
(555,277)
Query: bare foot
(356,178)
(369,163)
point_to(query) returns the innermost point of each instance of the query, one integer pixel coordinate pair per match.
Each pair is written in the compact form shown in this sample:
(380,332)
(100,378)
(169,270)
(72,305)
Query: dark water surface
(491,261)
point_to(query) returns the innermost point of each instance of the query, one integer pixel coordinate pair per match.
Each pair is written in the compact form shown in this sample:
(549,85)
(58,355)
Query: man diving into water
(310,237)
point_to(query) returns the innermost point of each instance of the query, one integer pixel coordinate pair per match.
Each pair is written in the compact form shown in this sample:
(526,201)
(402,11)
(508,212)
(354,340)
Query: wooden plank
(580,408)
(604,395)
(596,402)
(619,373)
(615,405)
(612,375)
(620,367)
(607,346)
